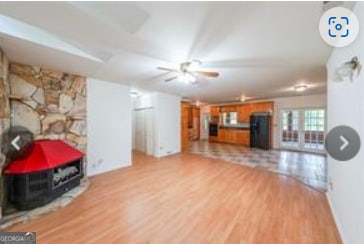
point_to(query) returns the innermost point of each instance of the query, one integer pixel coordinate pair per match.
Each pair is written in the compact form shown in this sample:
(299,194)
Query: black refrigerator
(260,130)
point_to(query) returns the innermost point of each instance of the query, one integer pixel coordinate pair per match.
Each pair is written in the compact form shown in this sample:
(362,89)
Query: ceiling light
(300,88)
(243,98)
(191,78)
(349,70)
(187,78)
(198,103)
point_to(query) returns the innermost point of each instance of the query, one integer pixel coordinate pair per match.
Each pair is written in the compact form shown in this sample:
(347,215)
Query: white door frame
(148,132)
(300,129)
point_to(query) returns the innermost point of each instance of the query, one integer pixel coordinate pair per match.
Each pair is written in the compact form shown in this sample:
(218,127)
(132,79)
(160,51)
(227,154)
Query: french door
(303,129)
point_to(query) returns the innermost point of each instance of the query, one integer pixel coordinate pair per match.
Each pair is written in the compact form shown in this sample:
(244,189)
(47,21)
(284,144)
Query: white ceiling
(260,49)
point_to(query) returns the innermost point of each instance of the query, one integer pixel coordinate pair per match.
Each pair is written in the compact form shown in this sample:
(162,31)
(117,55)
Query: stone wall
(4,112)
(49,103)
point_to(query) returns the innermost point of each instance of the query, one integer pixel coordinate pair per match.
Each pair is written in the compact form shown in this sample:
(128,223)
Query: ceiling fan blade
(207,73)
(172,78)
(167,69)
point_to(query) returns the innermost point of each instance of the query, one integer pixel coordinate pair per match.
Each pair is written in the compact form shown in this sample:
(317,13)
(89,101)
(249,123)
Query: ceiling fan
(188,72)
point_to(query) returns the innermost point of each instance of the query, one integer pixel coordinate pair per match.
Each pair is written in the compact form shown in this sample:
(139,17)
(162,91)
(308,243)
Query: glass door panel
(290,121)
(303,129)
(314,129)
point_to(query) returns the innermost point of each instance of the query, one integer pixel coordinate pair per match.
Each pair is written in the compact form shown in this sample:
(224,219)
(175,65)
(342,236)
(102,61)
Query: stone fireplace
(49,103)
(4,112)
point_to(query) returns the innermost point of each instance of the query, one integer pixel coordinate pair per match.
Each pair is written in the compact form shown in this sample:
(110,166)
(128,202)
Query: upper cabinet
(262,107)
(214,111)
(227,109)
(244,112)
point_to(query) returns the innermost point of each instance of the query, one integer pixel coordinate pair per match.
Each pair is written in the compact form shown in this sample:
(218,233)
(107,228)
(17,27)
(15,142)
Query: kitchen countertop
(243,126)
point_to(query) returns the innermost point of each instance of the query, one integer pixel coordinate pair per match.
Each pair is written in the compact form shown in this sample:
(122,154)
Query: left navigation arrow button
(14,143)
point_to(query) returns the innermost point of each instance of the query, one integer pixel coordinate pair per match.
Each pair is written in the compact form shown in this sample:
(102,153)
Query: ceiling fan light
(187,78)
(191,78)
(182,78)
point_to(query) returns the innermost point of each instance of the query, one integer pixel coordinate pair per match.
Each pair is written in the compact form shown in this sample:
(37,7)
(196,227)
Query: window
(230,118)
(290,120)
(315,120)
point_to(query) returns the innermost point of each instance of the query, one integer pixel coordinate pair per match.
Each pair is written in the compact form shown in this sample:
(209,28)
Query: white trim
(301,123)
(336,219)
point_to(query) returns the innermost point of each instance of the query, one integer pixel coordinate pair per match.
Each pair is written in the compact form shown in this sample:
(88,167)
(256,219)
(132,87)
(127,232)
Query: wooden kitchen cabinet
(230,136)
(214,111)
(234,136)
(243,138)
(262,107)
(221,135)
(230,108)
(244,112)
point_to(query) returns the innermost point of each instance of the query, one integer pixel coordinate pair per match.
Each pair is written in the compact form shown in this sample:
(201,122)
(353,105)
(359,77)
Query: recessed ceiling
(260,49)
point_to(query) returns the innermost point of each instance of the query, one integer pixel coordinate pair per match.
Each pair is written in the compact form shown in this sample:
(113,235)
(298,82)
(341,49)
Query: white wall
(146,100)
(311,101)
(167,124)
(346,107)
(109,126)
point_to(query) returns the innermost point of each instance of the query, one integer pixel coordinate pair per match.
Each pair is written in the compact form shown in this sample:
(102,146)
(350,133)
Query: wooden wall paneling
(196,122)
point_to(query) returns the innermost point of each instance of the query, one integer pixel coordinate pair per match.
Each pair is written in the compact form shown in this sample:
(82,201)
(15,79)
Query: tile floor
(311,169)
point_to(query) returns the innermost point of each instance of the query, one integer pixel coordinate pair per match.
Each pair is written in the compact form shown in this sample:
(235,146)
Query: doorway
(144,130)
(205,126)
(303,129)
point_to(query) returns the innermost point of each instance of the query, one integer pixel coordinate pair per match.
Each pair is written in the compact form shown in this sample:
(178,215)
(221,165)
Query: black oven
(213,128)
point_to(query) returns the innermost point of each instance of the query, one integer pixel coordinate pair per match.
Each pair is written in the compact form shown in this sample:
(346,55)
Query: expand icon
(339,27)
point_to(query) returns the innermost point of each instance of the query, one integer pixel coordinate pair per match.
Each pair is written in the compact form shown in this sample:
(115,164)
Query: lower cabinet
(243,138)
(233,136)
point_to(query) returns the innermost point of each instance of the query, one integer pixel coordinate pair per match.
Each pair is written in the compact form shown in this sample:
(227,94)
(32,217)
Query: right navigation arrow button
(342,143)
(345,143)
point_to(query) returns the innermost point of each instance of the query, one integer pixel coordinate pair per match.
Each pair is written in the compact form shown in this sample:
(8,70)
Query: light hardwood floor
(190,199)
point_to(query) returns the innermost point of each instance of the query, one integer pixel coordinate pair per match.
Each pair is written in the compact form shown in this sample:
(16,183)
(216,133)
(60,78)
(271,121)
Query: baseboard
(105,170)
(336,219)
(167,154)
